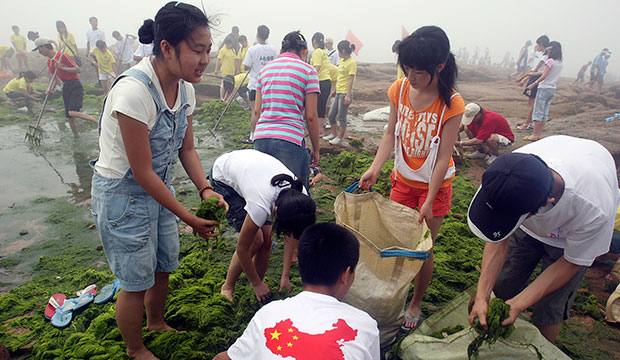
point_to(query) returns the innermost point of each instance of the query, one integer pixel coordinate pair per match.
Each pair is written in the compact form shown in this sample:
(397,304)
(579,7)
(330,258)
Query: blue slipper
(413,319)
(64,314)
(107,292)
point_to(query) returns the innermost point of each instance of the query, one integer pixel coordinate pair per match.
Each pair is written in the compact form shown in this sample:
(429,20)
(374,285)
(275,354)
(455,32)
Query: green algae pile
(210,209)
(497,313)
(234,126)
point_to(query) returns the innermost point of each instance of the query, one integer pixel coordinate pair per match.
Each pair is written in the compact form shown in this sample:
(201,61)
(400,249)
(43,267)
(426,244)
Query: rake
(34,133)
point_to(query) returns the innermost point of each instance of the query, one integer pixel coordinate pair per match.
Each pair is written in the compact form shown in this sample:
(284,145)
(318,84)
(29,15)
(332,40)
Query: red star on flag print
(286,340)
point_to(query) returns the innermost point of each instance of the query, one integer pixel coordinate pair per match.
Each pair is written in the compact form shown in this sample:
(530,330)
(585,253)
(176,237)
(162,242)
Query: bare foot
(160,327)
(142,354)
(228,293)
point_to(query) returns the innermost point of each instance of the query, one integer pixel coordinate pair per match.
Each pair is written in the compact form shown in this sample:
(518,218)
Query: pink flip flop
(89,289)
(55,301)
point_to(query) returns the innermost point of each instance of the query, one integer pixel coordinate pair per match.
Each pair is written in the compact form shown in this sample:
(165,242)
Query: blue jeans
(296,158)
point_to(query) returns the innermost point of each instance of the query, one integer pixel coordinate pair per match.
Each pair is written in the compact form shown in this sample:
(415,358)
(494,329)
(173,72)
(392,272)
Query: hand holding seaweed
(210,209)
(498,312)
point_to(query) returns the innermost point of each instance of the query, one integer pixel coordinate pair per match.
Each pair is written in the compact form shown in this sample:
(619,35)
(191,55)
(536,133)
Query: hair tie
(177,4)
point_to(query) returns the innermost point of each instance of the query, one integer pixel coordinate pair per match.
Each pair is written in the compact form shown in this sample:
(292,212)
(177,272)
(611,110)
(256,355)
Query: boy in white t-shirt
(554,200)
(315,324)
(255,59)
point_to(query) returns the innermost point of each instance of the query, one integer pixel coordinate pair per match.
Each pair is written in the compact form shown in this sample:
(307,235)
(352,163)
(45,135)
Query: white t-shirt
(555,69)
(257,57)
(93,35)
(249,173)
(582,221)
(124,49)
(308,326)
(334,58)
(144,50)
(130,97)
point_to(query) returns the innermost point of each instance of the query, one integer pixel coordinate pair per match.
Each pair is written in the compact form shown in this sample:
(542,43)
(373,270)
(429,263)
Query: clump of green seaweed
(447,331)
(497,313)
(210,209)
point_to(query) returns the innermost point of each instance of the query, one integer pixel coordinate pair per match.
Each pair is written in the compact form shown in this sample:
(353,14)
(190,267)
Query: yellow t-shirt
(333,72)
(69,42)
(227,58)
(419,127)
(321,60)
(239,78)
(105,59)
(3,50)
(346,68)
(400,74)
(242,53)
(17,85)
(19,43)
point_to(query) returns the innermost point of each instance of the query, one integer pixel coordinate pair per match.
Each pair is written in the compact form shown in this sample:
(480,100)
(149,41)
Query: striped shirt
(284,83)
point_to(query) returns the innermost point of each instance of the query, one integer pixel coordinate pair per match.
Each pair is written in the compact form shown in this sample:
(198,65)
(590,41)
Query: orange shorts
(414,198)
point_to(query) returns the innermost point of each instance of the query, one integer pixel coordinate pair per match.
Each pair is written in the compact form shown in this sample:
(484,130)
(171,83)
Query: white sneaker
(477,155)
(329,137)
(328,126)
(336,141)
(491,159)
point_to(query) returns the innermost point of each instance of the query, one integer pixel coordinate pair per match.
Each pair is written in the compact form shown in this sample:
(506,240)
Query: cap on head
(40,42)
(329,41)
(471,110)
(514,186)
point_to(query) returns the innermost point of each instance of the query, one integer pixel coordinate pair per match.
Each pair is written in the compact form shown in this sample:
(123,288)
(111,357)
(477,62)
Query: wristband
(202,189)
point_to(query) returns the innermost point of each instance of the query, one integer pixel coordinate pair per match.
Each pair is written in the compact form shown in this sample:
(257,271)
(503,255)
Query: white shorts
(503,140)
(106,76)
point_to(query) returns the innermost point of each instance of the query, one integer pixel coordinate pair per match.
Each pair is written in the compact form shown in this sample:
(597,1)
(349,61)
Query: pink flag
(354,40)
(405,32)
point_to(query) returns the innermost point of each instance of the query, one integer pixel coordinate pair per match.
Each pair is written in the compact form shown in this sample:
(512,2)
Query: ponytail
(294,42)
(295,211)
(21,75)
(447,79)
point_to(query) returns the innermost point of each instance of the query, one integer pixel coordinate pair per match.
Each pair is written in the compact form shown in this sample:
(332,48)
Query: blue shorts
(140,236)
(236,204)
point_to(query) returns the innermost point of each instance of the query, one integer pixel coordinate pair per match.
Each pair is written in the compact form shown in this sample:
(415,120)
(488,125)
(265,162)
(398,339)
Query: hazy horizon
(582,28)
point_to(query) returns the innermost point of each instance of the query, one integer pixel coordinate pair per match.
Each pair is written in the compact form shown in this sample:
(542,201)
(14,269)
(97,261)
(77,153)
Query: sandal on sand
(64,314)
(107,292)
(529,126)
(55,301)
(531,138)
(414,319)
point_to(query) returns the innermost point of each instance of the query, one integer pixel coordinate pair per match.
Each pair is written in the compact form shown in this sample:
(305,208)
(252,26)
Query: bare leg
(341,132)
(81,115)
(222,94)
(550,332)
(253,119)
(423,279)
(538,128)
(235,270)
(492,145)
(530,102)
(73,127)
(129,314)
(155,303)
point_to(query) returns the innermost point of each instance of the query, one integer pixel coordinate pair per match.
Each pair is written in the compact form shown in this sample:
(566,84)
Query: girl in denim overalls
(145,124)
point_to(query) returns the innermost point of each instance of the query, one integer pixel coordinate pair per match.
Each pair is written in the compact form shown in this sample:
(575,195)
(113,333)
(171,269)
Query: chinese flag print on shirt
(286,340)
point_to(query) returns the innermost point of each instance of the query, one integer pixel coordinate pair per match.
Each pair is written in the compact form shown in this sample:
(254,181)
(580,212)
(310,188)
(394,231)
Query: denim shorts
(236,204)
(524,254)
(296,158)
(542,104)
(339,110)
(140,236)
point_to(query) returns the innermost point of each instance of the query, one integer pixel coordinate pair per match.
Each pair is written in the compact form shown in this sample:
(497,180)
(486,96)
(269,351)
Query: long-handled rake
(232,98)
(34,133)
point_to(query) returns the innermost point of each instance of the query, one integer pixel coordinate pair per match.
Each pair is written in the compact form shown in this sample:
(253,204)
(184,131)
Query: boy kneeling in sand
(315,323)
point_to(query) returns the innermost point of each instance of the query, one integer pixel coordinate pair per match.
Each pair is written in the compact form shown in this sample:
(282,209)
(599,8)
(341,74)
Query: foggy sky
(582,27)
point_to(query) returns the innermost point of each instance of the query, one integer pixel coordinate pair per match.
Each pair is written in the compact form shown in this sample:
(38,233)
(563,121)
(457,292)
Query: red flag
(354,40)
(286,340)
(405,33)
